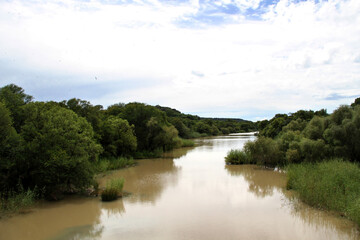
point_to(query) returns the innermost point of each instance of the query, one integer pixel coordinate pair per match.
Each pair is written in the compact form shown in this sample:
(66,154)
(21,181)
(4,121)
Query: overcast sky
(246,59)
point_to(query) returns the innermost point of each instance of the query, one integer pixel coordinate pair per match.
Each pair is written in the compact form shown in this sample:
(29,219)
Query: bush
(333,185)
(113,189)
(264,151)
(237,157)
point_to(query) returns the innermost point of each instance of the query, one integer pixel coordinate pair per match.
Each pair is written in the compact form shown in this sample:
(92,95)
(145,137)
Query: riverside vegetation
(112,190)
(51,148)
(320,153)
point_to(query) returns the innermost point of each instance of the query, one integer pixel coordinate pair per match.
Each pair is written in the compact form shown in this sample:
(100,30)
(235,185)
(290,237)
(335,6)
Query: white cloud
(295,57)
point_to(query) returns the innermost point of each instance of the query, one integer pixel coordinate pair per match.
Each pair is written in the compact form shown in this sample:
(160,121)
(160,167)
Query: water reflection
(93,232)
(113,208)
(262,182)
(178,153)
(316,219)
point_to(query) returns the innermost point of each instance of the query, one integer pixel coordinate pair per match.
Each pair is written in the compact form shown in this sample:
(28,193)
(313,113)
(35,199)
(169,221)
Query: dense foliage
(307,136)
(59,146)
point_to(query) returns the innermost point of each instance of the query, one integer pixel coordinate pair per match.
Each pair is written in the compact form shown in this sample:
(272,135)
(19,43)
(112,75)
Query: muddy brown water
(188,194)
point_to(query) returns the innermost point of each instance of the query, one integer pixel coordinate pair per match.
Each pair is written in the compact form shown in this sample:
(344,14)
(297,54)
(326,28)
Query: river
(188,194)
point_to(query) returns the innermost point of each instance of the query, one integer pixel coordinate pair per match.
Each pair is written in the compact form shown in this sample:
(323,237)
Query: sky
(245,59)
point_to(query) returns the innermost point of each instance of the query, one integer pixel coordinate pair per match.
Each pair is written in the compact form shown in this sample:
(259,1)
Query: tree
(356,102)
(183,130)
(344,133)
(117,137)
(59,148)
(82,108)
(10,151)
(264,151)
(14,98)
(115,109)
(315,128)
(149,122)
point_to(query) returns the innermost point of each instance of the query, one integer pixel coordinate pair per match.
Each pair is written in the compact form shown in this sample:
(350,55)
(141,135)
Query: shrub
(264,151)
(238,157)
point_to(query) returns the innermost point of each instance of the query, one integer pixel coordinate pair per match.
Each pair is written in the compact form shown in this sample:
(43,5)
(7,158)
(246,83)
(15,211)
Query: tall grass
(332,185)
(13,202)
(187,143)
(149,154)
(113,189)
(106,164)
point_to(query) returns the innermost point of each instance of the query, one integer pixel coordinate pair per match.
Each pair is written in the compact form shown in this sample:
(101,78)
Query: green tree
(117,137)
(14,98)
(10,151)
(344,133)
(295,125)
(183,130)
(59,148)
(315,128)
(93,114)
(356,102)
(313,150)
(265,151)
(115,109)
(150,123)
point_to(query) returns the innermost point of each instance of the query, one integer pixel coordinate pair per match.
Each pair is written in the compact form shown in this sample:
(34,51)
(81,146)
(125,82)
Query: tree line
(54,146)
(306,136)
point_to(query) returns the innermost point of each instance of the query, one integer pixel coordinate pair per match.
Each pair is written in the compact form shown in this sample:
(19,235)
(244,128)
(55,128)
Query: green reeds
(113,189)
(332,185)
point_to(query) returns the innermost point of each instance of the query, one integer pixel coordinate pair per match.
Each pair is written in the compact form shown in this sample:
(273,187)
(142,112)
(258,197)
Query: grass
(238,157)
(187,143)
(14,202)
(106,164)
(331,185)
(113,189)
(148,154)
